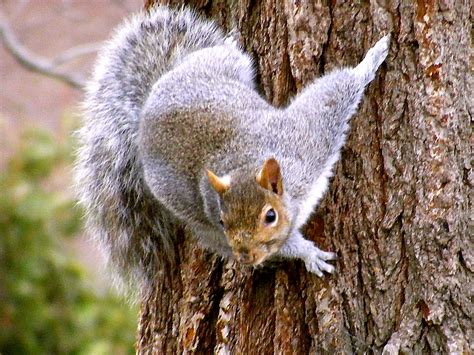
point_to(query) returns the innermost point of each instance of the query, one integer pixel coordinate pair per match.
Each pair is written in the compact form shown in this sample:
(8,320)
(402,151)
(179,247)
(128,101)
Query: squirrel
(176,135)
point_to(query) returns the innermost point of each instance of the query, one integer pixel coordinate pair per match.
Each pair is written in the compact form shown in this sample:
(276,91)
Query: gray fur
(172,97)
(135,230)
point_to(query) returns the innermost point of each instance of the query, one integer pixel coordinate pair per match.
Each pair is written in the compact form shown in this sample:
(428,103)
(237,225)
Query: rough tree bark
(398,211)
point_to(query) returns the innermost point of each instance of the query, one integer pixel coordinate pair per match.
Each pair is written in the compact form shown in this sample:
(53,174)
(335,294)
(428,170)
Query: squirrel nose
(243,256)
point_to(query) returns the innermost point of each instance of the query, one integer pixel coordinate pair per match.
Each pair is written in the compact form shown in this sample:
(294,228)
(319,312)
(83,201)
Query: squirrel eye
(221,222)
(270,216)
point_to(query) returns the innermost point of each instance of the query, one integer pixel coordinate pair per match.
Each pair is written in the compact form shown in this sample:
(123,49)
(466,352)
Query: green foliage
(47,304)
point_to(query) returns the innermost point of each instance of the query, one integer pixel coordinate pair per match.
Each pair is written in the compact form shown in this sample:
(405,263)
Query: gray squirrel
(175,134)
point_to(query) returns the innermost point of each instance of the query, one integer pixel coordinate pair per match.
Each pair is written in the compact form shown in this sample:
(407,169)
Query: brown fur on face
(244,206)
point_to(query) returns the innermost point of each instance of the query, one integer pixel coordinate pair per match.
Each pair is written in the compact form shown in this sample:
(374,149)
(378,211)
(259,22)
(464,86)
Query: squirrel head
(254,215)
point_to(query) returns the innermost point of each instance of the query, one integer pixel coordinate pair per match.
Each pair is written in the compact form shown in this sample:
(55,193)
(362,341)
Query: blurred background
(54,297)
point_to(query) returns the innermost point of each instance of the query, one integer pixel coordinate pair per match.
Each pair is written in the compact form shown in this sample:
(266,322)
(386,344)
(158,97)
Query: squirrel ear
(270,177)
(221,185)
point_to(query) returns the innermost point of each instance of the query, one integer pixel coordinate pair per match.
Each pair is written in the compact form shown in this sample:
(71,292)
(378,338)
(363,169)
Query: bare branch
(39,64)
(75,52)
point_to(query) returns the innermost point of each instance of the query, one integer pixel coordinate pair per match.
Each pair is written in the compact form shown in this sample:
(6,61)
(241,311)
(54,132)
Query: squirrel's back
(133,228)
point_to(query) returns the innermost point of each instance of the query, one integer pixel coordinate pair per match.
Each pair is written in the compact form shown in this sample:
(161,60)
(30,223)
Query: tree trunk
(398,210)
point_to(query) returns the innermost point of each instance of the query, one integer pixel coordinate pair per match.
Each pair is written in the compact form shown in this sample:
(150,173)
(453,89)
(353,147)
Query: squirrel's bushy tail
(135,231)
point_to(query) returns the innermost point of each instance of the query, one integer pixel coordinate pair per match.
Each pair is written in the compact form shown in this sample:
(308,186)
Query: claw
(314,268)
(327,255)
(317,262)
(326,267)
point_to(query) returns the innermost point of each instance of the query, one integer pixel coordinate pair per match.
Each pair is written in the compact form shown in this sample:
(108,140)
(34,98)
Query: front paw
(377,54)
(316,262)
(372,60)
